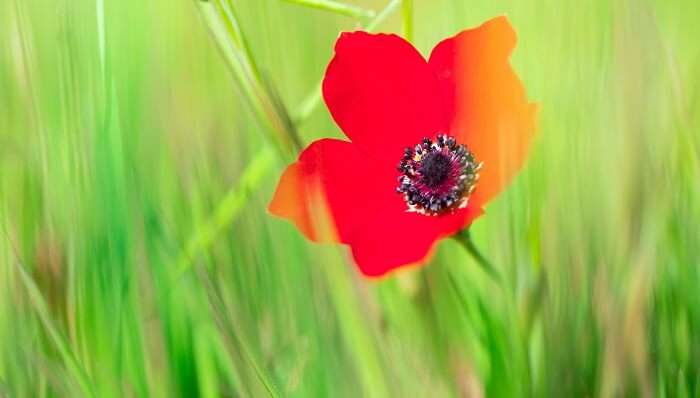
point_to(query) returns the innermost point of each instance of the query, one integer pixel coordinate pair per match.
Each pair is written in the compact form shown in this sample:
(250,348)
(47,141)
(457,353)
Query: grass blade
(227,209)
(223,25)
(42,311)
(407,19)
(336,7)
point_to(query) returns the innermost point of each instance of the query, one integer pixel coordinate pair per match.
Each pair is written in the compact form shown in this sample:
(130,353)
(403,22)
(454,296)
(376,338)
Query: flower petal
(486,102)
(289,200)
(382,94)
(331,178)
(333,181)
(394,239)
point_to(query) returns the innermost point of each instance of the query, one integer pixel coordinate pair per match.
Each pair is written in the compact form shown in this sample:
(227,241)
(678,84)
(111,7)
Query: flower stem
(464,238)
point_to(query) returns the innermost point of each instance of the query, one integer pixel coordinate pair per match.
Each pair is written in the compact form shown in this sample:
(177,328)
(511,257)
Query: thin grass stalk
(227,209)
(42,311)
(336,7)
(222,22)
(33,291)
(355,327)
(234,337)
(228,9)
(407,19)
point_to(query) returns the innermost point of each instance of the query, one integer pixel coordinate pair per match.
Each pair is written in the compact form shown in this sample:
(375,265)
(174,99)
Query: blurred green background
(140,142)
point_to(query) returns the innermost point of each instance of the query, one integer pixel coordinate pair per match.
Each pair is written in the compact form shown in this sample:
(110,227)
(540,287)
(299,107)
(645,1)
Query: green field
(140,142)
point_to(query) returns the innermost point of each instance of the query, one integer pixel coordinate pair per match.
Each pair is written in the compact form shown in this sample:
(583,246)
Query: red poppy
(431,142)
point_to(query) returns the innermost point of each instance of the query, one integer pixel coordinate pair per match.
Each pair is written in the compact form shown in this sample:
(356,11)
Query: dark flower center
(437,177)
(435,168)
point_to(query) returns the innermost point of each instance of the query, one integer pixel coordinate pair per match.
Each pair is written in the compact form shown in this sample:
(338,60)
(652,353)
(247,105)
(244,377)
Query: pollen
(437,176)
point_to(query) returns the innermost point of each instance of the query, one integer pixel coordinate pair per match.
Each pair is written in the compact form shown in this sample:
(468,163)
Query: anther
(437,175)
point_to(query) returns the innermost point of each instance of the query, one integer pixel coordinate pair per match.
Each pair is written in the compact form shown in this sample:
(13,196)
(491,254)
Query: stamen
(437,177)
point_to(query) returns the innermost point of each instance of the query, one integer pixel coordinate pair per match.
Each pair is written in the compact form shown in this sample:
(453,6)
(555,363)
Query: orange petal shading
(328,192)
(289,200)
(486,102)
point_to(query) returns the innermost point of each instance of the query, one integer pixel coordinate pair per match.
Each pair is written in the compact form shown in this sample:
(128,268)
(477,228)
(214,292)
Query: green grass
(141,140)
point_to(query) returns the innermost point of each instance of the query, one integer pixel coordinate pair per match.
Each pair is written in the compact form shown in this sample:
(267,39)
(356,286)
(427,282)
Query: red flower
(457,127)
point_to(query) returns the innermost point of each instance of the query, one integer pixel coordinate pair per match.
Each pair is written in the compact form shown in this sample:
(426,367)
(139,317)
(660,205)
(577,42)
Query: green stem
(221,19)
(227,9)
(53,332)
(382,15)
(464,238)
(407,15)
(228,209)
(336,7)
